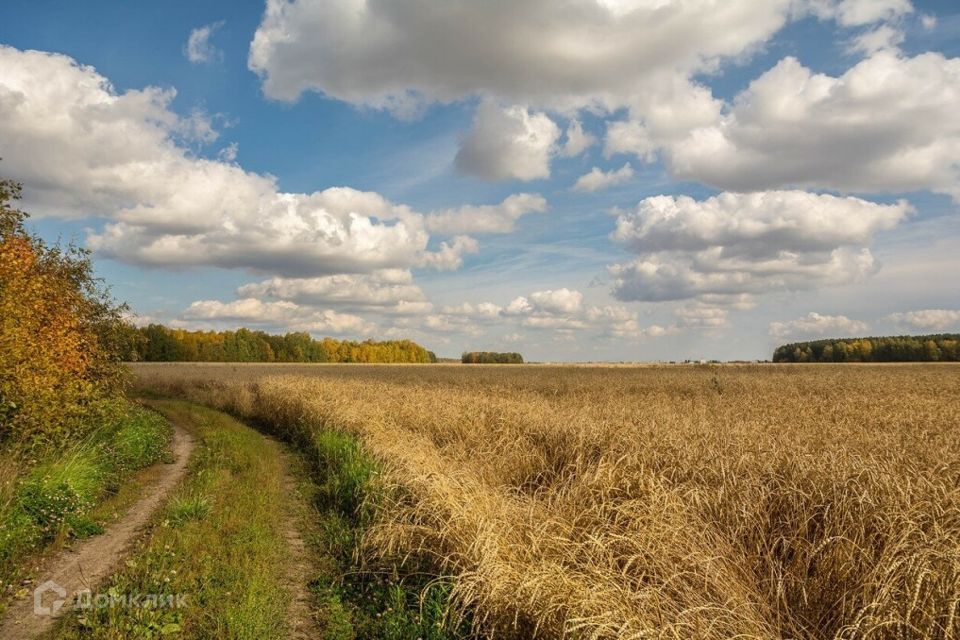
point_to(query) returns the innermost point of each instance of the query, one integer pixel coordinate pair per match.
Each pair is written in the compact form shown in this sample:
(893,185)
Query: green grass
(388,601)
(55,500)
(219,540)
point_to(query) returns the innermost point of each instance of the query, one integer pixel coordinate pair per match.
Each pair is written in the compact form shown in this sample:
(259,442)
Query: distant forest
(157,343)
(935,348)
(491,357)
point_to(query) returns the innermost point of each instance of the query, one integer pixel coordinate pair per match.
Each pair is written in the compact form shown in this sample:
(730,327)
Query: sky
(624,180)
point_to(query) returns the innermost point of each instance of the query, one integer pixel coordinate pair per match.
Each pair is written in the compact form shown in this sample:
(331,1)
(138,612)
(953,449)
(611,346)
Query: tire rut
(86,564)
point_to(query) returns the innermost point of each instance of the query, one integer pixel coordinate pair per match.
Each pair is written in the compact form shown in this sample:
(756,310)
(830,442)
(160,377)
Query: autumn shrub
(61,337)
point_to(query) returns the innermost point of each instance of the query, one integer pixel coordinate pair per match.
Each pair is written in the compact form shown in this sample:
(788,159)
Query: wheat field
(762,501)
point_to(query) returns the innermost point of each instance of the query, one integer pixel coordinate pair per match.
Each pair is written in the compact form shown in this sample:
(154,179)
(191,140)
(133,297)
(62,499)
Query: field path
(300,616)
(87,563)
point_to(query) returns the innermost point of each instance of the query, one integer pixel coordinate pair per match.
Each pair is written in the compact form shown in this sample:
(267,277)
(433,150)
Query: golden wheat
(681,502)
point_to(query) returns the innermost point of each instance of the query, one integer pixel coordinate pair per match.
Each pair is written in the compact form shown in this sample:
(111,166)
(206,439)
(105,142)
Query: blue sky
(807,152)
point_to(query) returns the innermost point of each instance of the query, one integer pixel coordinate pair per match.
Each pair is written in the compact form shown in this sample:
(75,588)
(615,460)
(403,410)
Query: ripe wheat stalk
(674,502)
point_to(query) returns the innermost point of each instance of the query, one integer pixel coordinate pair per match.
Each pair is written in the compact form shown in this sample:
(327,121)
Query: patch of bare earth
(86,564)
(303,624)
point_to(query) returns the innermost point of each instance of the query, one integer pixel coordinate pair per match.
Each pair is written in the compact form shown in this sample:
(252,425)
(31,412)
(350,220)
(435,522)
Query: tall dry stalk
(675,502)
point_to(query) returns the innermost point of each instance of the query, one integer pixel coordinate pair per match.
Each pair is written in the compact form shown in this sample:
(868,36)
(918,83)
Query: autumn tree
(62,338)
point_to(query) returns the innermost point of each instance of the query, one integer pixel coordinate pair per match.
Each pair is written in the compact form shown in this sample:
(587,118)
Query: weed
(56,498)
(187,508)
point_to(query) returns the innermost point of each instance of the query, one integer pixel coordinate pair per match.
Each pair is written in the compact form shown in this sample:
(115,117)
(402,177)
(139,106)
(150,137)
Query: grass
(73,495)
(816,502)
(218,540)
(374,600)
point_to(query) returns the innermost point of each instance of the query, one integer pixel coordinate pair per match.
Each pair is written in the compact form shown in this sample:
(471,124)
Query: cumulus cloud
(508,142)
(326,232)
(927,319)
(198,48)
(449,255)
(701,316)
(549,302)
(577,140)
(390,290)
(580,53)
(883,37)
(598,179)
(84,150)
(889,123)
(755,224)
(736,244)
(485,310)
(853,13)
(814,324)
(560,312)
(283,314)
(621,323)
(499,218)
(630,136)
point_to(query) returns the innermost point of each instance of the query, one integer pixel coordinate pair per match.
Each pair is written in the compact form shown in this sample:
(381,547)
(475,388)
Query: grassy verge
(338,496)
(74,495)
(219,540)
(356,599)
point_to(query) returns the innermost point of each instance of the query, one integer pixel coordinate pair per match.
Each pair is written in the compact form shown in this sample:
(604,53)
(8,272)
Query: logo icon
(60,597)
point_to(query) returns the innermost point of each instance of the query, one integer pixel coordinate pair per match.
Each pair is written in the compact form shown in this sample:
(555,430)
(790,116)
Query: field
(767,501)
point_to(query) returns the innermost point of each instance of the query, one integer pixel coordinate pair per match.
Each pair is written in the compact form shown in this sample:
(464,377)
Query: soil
(86,564)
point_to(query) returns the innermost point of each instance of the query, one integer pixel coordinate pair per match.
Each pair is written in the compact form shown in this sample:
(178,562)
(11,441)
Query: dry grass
(689,502)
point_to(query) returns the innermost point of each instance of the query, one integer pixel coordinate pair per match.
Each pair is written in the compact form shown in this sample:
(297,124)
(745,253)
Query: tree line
(158,343)
(491,357)
(933,348)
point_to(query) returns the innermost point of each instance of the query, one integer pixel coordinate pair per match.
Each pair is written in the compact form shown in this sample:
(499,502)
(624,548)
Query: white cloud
(927,319)
(229,153)
(735,244)
(508,142)
(499,218)
(485,310)
(577,140)
(390,290)
(84,150)
(630,136)
(598,179)
(852,13)
(889,123)
(883,37)
(759,224)
(580,53)
(558,311)
(198,48)
(814,324)
(702,316)
(449,256)
(555,301)
(285,315)
(327,232)
(621,323)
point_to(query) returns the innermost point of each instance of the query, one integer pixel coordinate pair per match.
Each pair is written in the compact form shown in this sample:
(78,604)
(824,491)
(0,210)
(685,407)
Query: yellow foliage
(53,366)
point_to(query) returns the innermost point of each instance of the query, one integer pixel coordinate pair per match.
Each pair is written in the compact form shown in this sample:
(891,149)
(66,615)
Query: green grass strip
(59,499)
(218,540)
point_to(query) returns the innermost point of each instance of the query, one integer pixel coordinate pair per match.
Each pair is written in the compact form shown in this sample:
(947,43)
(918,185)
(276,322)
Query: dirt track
(86,564)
